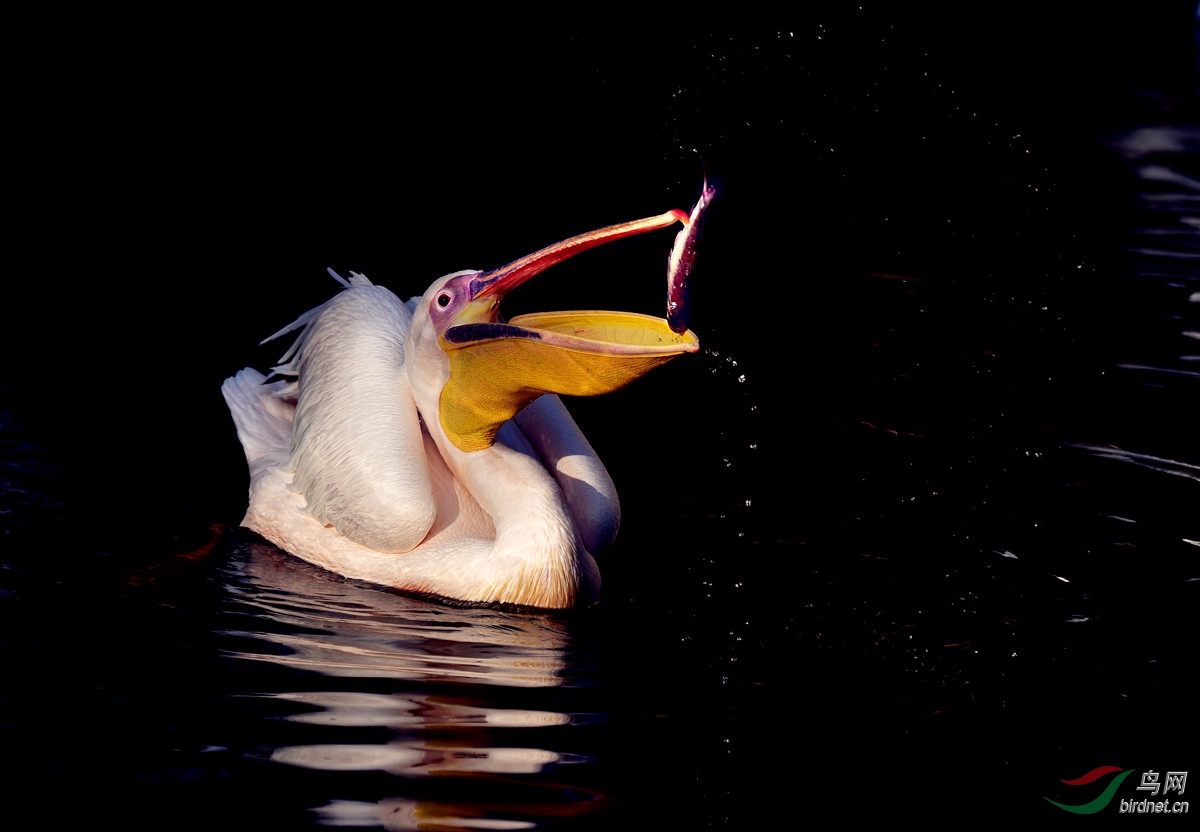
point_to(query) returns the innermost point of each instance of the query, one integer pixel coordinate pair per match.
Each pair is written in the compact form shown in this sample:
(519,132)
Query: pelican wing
(262,414)
(356,444)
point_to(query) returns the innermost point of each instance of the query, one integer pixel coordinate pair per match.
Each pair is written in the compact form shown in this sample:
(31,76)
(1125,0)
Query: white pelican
(421,445)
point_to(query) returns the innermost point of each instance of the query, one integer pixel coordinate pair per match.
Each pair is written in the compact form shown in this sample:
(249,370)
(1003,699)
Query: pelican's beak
(498,367)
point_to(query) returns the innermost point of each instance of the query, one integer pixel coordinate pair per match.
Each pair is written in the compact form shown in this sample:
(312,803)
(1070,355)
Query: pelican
(422,445)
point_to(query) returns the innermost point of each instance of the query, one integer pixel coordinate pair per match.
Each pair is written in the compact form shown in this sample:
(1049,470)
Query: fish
(683,260)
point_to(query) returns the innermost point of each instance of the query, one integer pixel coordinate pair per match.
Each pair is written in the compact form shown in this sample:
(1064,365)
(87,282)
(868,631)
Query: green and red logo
(1106,796)
(1174,781)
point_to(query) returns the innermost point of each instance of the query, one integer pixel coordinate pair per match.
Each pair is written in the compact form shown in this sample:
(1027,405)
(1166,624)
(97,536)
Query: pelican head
(491,368)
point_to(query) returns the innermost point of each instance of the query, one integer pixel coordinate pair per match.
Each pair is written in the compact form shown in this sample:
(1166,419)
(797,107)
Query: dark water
(915,536)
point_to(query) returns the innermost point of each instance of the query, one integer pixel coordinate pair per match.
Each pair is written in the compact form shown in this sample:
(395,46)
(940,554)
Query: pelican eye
(443,300)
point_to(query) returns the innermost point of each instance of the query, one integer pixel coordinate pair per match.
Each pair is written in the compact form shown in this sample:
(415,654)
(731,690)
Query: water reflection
(1174,467)
(341,628)
(420,691)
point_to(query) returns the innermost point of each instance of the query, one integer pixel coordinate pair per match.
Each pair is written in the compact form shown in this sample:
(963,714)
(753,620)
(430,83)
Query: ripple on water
(420,692)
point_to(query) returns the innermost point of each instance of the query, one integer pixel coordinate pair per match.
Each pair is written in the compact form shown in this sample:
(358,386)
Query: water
(914,535)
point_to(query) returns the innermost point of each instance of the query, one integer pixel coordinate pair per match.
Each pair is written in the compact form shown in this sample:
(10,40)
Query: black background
(918,259)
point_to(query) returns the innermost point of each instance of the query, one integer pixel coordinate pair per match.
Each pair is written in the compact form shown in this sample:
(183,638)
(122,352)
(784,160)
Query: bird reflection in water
(480,698)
